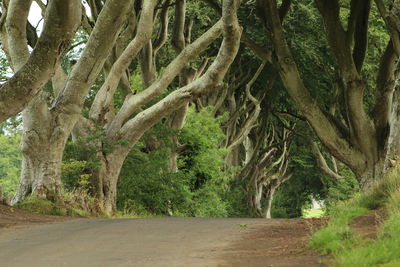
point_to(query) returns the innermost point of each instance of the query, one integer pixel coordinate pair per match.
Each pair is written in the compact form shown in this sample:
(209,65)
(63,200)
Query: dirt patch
(11,216)
(283,244)
(367,225)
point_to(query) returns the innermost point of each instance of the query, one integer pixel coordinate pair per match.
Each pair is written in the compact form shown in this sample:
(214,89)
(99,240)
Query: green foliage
(350,249)
(42,206)
(199,188)
(75,204)
(203,159)
(10,162)
(5,69)
(341,190)
(382,190)
(74,174)
(313,213)
(338,236)
(146,186)
(385,250)
(80,158)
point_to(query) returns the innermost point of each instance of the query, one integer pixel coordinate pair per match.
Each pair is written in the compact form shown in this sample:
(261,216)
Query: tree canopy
(199,107)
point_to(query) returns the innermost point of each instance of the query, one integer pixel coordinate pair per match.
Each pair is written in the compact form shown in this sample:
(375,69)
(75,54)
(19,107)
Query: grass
(44,206)
(348,248)
(313,213)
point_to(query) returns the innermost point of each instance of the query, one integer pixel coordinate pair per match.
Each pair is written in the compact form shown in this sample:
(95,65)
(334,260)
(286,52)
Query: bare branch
(321,162)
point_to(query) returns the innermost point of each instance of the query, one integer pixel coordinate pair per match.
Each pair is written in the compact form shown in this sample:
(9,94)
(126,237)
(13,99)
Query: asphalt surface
(126,242)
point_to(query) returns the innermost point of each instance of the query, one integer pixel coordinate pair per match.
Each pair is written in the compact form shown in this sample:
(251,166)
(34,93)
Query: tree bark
(33,70)
(105,179)
(42,153)
(269,193)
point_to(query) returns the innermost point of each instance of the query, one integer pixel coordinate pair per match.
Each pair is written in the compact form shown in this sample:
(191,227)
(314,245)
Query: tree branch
(104,98)
(133,102)
(61,21)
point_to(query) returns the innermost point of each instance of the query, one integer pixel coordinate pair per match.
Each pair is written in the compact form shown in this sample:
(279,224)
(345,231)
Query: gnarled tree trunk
(42,147)
(105,179)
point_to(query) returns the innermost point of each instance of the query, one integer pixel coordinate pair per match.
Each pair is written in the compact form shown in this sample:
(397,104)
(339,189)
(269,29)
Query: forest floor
(28,239)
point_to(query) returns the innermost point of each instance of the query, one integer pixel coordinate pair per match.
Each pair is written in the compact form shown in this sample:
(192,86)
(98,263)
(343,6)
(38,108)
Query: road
(157,242)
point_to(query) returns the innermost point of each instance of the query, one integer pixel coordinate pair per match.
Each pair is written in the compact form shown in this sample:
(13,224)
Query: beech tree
(33,70)
(113,44)
(49,118)
(365,140)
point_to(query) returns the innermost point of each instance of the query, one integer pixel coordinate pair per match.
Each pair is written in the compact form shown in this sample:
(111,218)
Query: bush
(75,203)
(200,186)
(10,163)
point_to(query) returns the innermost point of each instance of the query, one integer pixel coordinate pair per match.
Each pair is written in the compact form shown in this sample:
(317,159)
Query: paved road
(126,242)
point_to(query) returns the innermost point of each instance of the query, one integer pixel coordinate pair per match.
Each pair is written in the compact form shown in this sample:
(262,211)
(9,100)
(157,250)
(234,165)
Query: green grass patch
(313,213)
(384,250)
(337,235)
(348,248)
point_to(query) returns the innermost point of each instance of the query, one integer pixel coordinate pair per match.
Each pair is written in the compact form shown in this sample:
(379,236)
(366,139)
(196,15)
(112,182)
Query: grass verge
(75,204)
(349,249)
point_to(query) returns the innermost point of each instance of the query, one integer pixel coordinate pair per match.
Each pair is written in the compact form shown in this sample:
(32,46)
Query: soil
(282,244)
(60,241)
(367,225)
(10,216)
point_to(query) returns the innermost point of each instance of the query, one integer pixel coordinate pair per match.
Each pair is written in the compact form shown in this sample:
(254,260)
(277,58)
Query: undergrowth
(349,249)
(76,203)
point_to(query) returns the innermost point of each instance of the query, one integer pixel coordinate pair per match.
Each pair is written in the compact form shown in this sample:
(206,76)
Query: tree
(47,125)
(363,140)
(124,127)
(33,70)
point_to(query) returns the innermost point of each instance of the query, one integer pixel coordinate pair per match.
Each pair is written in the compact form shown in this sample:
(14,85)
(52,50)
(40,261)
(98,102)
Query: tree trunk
(176,122)
(105,179)
(269,194)
(372,174)
(254,195)
(41,167)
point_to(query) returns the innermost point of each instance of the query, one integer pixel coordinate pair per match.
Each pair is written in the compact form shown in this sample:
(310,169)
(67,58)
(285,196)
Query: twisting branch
(322,164)
(163,30)
(134,102)
(251,120)
(104,98)
(211,80)
(265,171)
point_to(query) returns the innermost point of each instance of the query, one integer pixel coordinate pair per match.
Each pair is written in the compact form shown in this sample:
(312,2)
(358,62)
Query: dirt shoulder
(282,244)
(11,217)
(367,226)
